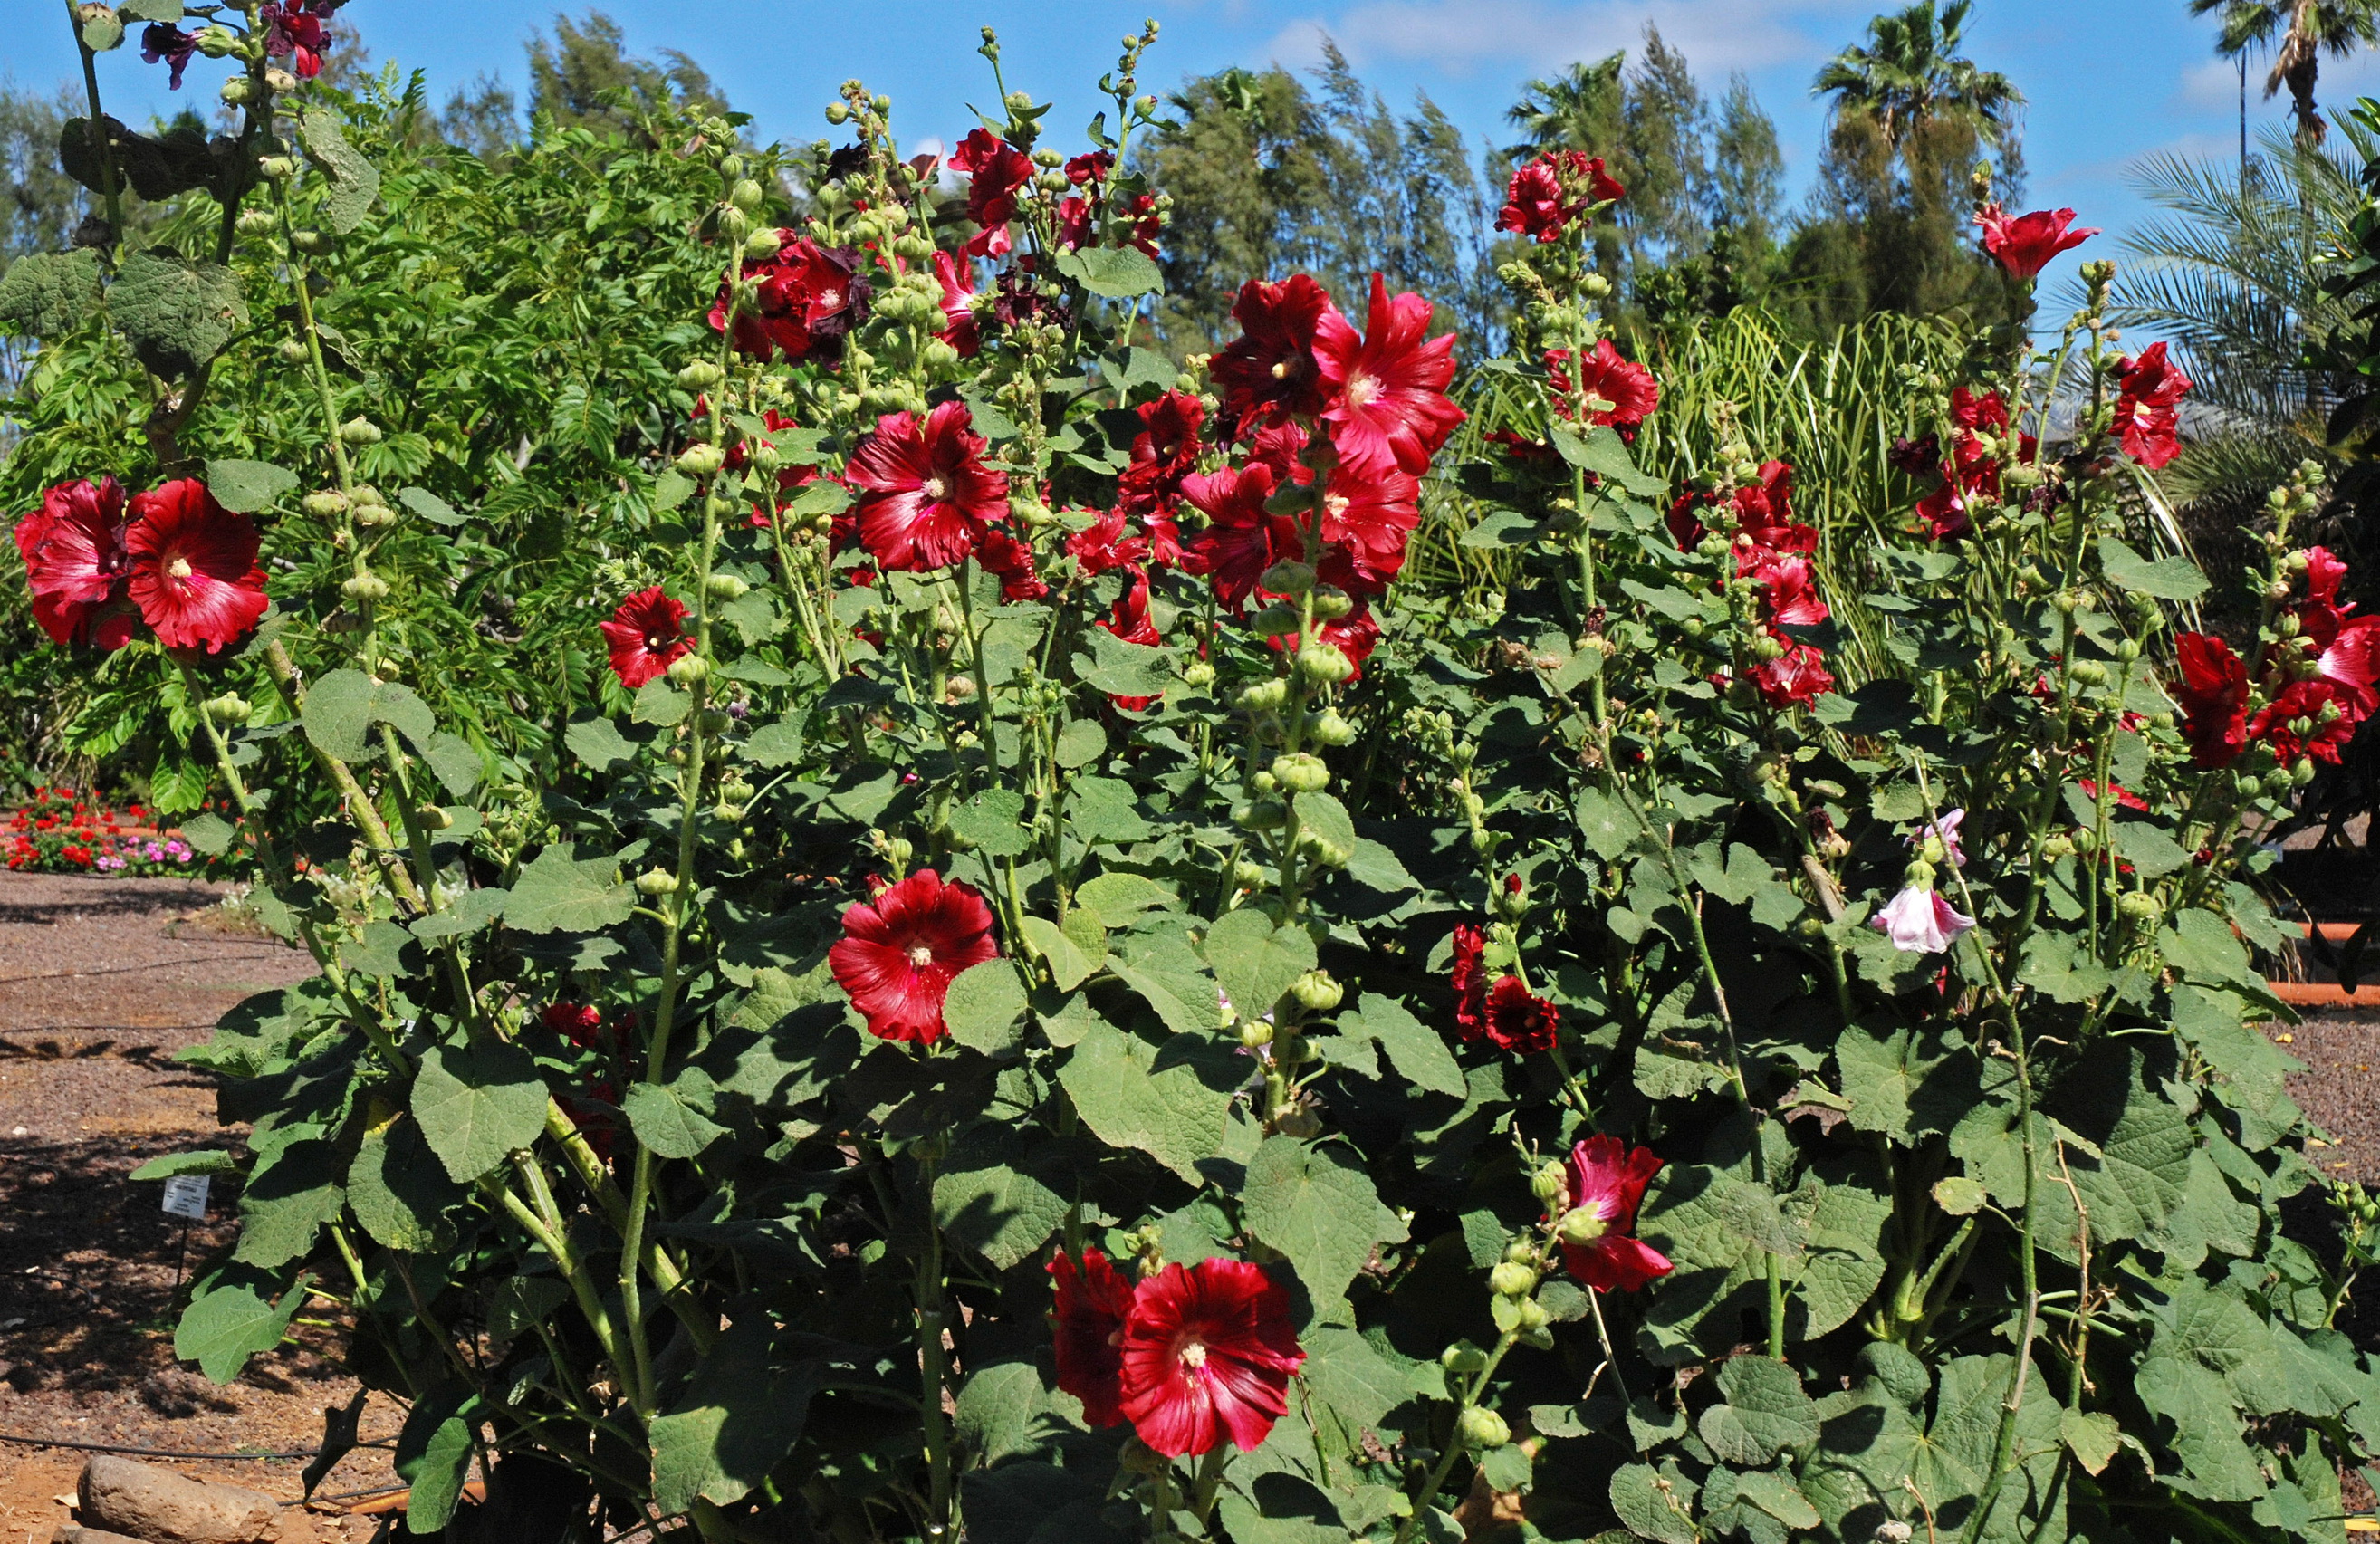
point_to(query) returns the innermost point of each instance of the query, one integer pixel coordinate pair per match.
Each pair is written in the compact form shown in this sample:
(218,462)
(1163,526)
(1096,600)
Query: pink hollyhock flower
(1536,204)
(1919,921)
(899,952)
(1389,410)
(1517,1020)
(2025,244)
(193,567)
(645,636)
(1946,829)
(1268,373)
(1606,1183)
(1628,386)
(926,496)
(1208,1353)
(1794,679)
(2213,692)
(1092,1305)
(77,563)
(995,170)
(2148,408)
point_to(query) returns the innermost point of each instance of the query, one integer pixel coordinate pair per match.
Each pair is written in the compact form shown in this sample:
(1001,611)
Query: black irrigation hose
(170,1453)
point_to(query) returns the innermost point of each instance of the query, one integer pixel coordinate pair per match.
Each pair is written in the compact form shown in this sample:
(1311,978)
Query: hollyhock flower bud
(1248,874)
(713,721)
(326,504)
(1483,1429)
(237,89)
(1301,773)
(657,882)
(360,432)
(431,818)
(1256,1034)
(1462,1356)
(257,221)
(2139,907)
(1288,577)
(217,42)
(688,668)
(280,79)
(365,587)
(1510,1280)
(1324,662)
(725,586)
(1265,695)
(1317,992)
(700,460)
(1199,672)
(230,708)
(699,375)
(372,517)
(745,195)
(1547,1184)
(278,168)
(1329,728)
(1259,815)
(1331,604)
(1581,1225)
(1275,621)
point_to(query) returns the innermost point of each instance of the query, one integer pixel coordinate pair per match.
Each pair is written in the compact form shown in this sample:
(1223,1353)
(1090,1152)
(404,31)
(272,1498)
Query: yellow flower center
(921,954)
(1193,1355)
(936,488)
(179,568)
(1361,390)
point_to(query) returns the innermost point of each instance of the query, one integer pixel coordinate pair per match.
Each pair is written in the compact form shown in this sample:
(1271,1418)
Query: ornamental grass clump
(1041,981)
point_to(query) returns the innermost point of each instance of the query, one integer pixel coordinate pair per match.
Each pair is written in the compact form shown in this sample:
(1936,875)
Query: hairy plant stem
(933,1368)
(97,132)
(1454,1448)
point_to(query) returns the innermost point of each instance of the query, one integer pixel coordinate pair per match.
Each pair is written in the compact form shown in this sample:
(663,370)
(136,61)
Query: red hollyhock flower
(2148,408)
(1092,165)
(1370,518)
(1534,205)
(1163,453)
(1607,1182)
(579,1023)
(1354,635)
(1092,1303)
(1764,512)
(2310,718)
(293,32)
(164,42)
(2351,662)
(826,283)
(996,170)
(1629,387)
(1389,410)
(897,953)
(1241,540)
(1011,559)
(644,636)
(2125,797)
(2213,692)
(2025,244)
(1102,544)
(959,327)
(1269,372)
(926,495)
(1945,511)
(1130,621)
(1074,226)
(193,567)
(1207,1354)
(1469,980)
(1794,679)
(77,563)
(1517,1020)
(1791,591)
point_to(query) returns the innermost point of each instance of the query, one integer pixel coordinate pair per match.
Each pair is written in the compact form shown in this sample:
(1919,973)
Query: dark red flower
(77,563)
(2125,797)
(2148,408)
(1629,387)
(164,42)
(1016,299)
(1764,512)
(1387,408)
(996,170)
(1241,540)
(1163,453)
(1468,977)
(1517,1019)
(644,636)
(1207,1354)
(2213,692)
(579,1023)
(1945,511)
(1012,560)
(2310,718)
(1794,679)
(193,567)
(898,953)
(2025,243)
(1090,166)
(1102,545)
(1269,372)
(1074,226)
(1369,519)
(1537,203)
(1129,620)
(1520,447)
(1607,1182)
(1790,590)
(1092,1303)
(959,327)
(808,298)
(294,31)
(926,496)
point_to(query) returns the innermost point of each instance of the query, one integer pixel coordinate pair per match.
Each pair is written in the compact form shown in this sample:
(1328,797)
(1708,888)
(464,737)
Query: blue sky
(2107,81)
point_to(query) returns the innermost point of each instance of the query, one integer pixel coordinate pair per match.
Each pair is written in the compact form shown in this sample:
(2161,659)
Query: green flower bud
(278,168)
(239,90)
(1549,1185)
(1324,662)
(1259,815)
(1328,728)
(700,460)
(657,882)
(688,668)
(699,375)
(360,432)
(1462,1356)
(279,80)
(1511,1279)
(2089,672)
(1581,1225)
(1483,1429)
(217,42)
(1275,621)
(230,708)
(1199,672)
(372,517)
(1330,604)
(715,722)
(1317,992)
(1248,875)
(1531,1316)
(725,586)
(1254,1033)
(292,352)
(1263,782)
(327,503)
(431,818)
(1301,773)
(1265,695)
(257,221)
(745,195)
(2139,907)
(365,587)
(1288,577)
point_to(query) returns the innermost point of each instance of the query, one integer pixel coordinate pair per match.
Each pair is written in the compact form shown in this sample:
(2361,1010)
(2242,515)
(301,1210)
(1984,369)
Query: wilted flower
(162,41)
(1919,921)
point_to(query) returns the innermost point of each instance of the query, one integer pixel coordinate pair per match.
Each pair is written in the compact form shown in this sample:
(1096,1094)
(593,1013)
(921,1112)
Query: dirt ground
(101,983)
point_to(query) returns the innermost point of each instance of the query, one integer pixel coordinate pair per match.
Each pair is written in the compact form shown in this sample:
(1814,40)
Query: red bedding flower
(1207,1352)
(1268,373)
(1389,410)
(77,563)
(898,953)
(644,636)
(1628,386)
(193,570)
(2148,408)
(926,496)
(2213,692)
(1607,1182)
(995,170)
(1092,1303)
(2025,243)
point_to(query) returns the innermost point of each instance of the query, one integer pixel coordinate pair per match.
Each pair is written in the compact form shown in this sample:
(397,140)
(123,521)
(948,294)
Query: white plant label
(186,1195)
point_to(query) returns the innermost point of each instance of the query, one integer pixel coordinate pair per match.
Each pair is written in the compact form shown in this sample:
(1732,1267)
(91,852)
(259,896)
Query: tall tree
(584,77)
(483,117)
(2297,33)
(43,204)
(1910,74)
(1747,171)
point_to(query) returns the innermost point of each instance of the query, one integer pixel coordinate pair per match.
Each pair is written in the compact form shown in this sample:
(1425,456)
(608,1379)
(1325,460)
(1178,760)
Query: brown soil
(101,983)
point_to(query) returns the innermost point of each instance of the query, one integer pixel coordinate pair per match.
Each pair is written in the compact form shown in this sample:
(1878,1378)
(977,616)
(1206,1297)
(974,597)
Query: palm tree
(1909,74)
(2306,30)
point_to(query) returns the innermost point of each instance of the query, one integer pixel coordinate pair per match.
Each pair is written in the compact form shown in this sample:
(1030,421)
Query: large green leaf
(287,1201)
(1766,1412)
(399,1193)
(739,1418)
(2168,579)
(998,1209)
(561,893)
(1320,1210)
(177,312)
(222,1329)
(985,1006)
(1118,273)
(1254,960)
(355,182)
(248,487)
(1418,1052)
(1172,1112)
(47,295)
(342,707)
(671,1118)
(478,1105)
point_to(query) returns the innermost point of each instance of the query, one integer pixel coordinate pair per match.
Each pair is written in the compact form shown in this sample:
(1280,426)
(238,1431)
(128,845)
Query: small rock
(70,1532)
(163,1507)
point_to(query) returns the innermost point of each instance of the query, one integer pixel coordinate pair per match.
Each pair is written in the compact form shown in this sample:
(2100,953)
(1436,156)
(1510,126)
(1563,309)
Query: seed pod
(686,669)
(279,80)
(365,587)
(230,708)
(657,882)
(278,167)
(434,819)
(1317,992)
(699,375)
(700,460)
(725,586)
(238,91)
(326,504)
(1199,672)
(1483,1428)
(360,432)
(1324,662)
(1301,773)
(1510,1279)
(1549,1184)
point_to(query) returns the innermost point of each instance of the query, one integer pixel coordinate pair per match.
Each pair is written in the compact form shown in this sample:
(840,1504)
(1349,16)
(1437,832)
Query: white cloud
(1459,35)
(2210,86)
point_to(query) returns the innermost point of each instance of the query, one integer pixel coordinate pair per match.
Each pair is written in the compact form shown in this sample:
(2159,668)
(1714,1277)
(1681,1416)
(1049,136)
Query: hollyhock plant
(1389,410)
(1795,678)
(1268,373)
(1012,561)
(2148,408)
(77,565)
(2023,244)
(996,171)
(959,326)
(1605,1184)
(899,952)
(162,41)
(1091,1304)
(2213,693)
(1468,977)
(1628,386)
(1918,921)
(1207,1352)
(645,636)
(926,498)
(1537,203)
(192,566)
(1518,1020)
